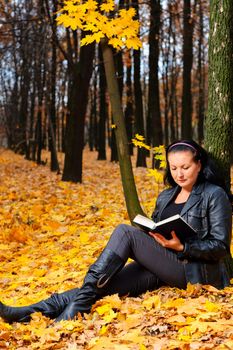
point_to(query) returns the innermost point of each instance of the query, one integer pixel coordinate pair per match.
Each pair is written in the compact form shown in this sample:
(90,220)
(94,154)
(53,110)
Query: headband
(182,144)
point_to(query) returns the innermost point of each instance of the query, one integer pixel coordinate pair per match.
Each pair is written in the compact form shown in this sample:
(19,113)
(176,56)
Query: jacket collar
(194,197)
(192,200)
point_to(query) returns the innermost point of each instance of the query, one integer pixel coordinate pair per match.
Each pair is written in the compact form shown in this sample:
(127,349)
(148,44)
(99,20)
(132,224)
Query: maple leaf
(133,43)
(107,6)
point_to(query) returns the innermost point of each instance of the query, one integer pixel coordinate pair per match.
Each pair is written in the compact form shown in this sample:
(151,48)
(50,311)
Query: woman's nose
(180,172)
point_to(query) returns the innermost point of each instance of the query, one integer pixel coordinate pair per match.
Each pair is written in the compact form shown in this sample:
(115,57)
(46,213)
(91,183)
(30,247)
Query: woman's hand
(173,243)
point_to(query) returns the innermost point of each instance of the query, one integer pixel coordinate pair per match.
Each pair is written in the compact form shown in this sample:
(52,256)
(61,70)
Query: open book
(174,223)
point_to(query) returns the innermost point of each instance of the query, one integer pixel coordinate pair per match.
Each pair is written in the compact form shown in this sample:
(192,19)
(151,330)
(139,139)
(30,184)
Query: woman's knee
(122,229)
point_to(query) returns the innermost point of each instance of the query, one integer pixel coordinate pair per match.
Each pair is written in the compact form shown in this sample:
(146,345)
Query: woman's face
(183,168)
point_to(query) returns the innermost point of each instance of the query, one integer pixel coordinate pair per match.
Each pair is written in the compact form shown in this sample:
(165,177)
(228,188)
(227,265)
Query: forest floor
(51,231)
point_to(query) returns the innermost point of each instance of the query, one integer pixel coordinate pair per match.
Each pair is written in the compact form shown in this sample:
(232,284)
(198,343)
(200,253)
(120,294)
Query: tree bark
(186,116)
(130,192)
(54,165)
(201,78)
(139,113)
(219,120)
(81,74)
(102,110)
(154,125)
(129,119)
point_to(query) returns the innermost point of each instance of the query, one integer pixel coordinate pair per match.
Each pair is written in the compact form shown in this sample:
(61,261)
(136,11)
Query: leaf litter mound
(51,231)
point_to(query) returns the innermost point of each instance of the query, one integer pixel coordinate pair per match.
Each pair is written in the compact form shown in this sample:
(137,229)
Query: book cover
(174,223)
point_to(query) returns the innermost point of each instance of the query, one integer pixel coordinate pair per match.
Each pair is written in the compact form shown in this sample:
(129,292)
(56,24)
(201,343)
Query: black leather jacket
(208,211)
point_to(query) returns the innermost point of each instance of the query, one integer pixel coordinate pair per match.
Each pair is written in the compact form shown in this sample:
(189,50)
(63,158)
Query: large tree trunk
(81,74)
(186,117)
(130,192)
(219,121)
(201,77)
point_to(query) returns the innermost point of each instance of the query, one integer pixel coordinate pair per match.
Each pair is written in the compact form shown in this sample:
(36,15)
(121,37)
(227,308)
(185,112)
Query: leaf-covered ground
(51,231)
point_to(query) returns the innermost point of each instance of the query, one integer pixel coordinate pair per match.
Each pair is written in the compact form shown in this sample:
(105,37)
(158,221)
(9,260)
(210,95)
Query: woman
(196,194)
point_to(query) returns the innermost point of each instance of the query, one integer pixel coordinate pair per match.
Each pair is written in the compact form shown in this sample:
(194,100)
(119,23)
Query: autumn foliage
(52,231)
(120,29)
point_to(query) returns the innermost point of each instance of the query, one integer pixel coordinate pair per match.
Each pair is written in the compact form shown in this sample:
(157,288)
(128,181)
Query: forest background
(54,97)
(46,76)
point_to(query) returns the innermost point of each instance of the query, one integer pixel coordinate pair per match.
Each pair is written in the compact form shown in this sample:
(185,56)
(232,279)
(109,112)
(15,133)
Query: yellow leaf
(212,307)
(170,304)
(116,43)
(110,316)
(103,309)
(152,302)
(84,237)
(133,43)
(107,7)
(103,330)
(139,137)
(184,333)
(142,347)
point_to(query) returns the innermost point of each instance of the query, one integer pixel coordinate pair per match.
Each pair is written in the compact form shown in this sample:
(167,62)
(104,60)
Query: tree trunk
(102,110)
(138,100)
(219,121)
(201,78)
(54,165)
(139,118)
(114,155)
(81,75)
(154,125)
(186,116)
(130,192)
(129,119)
(93,130)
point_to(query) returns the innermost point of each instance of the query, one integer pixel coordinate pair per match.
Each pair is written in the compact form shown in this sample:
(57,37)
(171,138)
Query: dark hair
(208,170)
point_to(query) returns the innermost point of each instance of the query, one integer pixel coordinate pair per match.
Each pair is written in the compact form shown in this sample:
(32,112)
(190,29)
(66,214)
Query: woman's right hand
(173,243)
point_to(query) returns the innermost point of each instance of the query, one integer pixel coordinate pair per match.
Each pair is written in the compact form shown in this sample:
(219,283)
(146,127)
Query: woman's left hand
(173,243)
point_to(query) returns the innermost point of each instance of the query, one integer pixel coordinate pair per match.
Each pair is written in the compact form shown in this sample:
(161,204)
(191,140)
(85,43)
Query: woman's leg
(98,276)
(128,241)
(51,307)
(132,280)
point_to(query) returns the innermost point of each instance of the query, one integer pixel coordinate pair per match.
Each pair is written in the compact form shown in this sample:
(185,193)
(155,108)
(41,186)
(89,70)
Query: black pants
(154,262)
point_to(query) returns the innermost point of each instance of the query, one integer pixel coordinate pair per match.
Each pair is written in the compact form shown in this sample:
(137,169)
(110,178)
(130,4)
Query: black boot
(51,307)
(106,266)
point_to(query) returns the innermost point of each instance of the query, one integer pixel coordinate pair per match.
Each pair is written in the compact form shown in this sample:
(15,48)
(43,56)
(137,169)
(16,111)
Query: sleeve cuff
(184,253)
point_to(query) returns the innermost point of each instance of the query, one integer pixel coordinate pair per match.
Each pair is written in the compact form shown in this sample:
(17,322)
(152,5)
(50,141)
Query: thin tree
(130,193)
(54,165)
(102,110)
(138,100)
